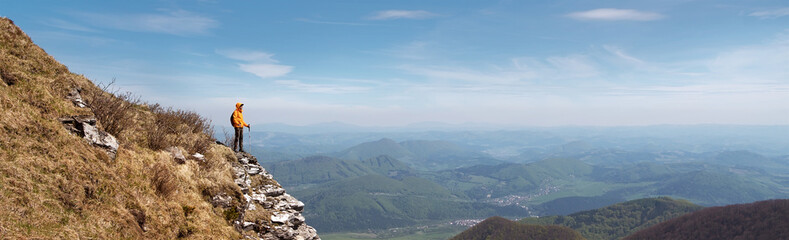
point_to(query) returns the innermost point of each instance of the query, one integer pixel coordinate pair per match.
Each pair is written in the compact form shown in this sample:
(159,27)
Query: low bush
(112,108)
(175,127)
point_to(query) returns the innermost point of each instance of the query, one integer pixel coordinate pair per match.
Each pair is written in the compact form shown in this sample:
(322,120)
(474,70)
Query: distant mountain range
(420,154)
(535,143)
(341,127)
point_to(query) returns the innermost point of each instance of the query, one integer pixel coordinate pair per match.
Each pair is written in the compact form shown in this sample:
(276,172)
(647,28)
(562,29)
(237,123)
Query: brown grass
(163,179)
(55,185)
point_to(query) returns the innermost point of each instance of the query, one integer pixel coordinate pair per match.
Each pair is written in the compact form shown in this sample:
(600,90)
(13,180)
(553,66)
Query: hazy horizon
(494,126)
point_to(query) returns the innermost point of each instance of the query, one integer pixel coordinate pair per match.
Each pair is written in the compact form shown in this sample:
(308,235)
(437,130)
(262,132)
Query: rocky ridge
(268,212)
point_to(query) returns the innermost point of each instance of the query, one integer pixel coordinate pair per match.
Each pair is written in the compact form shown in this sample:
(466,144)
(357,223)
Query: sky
(394,63)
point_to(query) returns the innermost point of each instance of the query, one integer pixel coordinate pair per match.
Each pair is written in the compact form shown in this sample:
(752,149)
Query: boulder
(253,170)
(296,205)
(221,200)
(76,98)
(258,198)
(272,191)
(280,217)
(199,157)
(101,139)
(307,232)
(177,155)
(85,127)
(248,226)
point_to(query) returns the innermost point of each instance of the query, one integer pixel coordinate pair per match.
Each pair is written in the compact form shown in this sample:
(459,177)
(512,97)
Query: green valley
(387,189)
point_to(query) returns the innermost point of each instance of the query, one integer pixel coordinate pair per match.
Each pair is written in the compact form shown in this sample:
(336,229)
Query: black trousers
(238,139)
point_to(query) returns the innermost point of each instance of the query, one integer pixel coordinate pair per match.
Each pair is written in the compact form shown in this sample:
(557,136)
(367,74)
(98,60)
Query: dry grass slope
(53,184)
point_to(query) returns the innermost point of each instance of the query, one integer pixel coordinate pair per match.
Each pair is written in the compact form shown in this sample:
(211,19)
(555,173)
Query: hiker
(237,120)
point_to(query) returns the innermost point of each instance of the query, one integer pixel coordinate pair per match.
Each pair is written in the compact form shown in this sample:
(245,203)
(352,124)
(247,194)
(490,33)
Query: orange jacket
(238,118)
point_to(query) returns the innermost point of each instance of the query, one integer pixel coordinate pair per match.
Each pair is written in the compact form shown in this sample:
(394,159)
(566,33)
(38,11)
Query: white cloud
(265,70)
(262,64)
(755,64)
(571,67)
(575,66)
(775,13)
(307,20)
(454,73)
(321,88)
(402,14)
(614,14)
(622,55)
(415,50)
(66,25)
(247,55)
(175,22)
(76,38)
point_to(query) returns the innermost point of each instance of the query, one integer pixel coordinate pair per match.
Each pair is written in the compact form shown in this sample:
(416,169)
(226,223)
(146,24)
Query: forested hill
(760,220)
(619,220)
(498,228)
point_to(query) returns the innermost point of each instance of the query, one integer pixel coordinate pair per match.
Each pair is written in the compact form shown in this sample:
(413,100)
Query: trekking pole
(250,139)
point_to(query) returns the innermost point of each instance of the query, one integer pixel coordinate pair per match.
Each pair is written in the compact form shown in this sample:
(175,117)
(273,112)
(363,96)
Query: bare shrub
(175,127)
(228,137)
(163,180)
(139,217)
(9,78)
(113,109)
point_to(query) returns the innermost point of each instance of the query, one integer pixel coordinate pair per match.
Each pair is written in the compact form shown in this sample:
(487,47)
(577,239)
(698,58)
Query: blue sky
(391,63)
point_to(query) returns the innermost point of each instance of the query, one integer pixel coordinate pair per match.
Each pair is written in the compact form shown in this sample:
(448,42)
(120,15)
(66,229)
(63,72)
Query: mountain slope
(758,220)
(436,155)
(498,228)
(420,154)
(618,220)
(509,178)
(78,162)
(715,188)
(54,184)
(367,150)
(387,166)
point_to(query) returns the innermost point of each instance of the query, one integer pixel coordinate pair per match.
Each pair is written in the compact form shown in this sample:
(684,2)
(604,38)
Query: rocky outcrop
(85,127)
(177,154)
(269,212)
(76,98)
